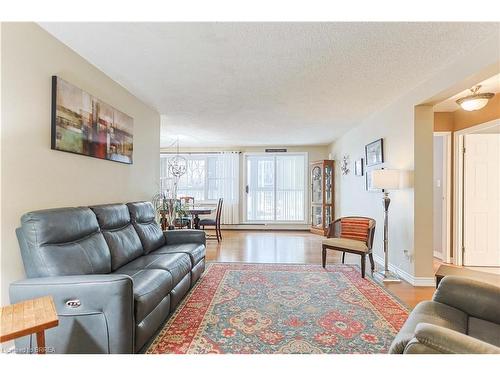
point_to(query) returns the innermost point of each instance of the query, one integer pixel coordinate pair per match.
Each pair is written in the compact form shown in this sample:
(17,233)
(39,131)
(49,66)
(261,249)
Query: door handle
(246,189)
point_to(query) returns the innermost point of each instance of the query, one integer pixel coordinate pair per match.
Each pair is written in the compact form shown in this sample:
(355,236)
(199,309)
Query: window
(276,187)
(208,177)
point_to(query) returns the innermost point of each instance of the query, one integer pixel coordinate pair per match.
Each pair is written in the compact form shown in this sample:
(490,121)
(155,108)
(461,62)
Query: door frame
(446,202)
(306,187)
(458,187)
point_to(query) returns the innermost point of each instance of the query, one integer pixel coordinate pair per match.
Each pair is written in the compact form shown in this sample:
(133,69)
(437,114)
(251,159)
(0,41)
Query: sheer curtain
(230,177)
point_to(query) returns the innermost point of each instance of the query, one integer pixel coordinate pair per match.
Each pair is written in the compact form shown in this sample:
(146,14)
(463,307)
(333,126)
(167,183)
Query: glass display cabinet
(322,199)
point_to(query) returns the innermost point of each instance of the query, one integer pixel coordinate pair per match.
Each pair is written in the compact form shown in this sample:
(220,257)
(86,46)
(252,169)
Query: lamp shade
(474,104)
(386,179)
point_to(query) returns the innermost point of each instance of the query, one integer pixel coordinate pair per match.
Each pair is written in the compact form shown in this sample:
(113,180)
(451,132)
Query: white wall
(437,183)
(352,198)
(406,126)
(36,177)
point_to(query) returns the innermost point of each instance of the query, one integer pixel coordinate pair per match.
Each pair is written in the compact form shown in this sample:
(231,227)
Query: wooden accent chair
(214,223)
(185,221)
(351,234)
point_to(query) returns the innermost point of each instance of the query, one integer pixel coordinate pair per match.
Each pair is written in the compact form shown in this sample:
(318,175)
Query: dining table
(196,211)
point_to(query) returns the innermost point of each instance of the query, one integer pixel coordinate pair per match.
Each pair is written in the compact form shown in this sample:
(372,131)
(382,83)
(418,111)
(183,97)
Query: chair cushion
(177,264)
(345,243)
(484,330)
(123,241)
(195,251)
(207,222)
(354,229)
(429,312)
(142,215)
(150,287)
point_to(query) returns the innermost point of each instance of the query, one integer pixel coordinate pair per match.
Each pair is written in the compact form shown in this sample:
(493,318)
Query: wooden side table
(28,317)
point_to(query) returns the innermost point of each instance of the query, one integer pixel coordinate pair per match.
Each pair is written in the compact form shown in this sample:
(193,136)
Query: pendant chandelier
(476,100)
(177,165)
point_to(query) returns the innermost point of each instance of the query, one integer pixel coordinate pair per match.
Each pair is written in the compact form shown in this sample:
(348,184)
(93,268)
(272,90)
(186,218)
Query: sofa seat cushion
(195,251)
(484,330)
(346,243)
(429,312)
(150,287)
(177,264)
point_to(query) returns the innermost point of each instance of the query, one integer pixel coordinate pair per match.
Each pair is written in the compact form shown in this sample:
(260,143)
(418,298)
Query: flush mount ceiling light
(476,100)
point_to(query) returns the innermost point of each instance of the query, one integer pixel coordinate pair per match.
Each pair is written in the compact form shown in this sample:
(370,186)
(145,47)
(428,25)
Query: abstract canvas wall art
(83,124)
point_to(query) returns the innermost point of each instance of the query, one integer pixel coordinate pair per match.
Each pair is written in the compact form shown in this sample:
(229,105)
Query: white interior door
(482,200)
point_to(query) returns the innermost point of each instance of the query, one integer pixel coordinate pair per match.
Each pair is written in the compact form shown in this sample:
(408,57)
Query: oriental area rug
(276,308)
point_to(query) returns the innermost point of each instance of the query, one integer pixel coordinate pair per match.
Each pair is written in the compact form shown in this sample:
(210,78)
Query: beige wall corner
(36,177)
(443,121)
(423,200)
(463,119)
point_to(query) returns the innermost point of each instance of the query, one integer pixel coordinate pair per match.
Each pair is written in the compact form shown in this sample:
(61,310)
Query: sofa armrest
(104,299)
(173,237)
(447,341)
(473,297)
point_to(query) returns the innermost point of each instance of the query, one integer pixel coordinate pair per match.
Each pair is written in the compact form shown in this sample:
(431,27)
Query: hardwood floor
(294,247)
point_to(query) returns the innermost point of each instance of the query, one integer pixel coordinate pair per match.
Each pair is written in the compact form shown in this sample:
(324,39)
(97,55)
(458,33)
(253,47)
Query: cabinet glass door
(328,216)
(317,189)
(328,184)
(317,217)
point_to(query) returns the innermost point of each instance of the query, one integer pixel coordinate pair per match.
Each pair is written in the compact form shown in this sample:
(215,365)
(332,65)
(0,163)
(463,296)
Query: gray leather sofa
(463,317)
(114,275)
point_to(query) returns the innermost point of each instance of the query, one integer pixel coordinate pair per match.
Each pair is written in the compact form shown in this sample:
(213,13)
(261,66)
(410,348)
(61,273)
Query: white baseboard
(413,280)
(265,226)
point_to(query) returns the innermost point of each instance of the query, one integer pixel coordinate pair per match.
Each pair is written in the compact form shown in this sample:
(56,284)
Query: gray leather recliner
(463,318)
(114,275)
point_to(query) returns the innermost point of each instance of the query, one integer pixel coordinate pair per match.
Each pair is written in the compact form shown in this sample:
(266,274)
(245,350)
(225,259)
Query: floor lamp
(386,179)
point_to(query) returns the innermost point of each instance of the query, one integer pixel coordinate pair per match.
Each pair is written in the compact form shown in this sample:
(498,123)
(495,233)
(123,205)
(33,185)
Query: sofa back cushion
(122,239)
(63,241)
(142,215)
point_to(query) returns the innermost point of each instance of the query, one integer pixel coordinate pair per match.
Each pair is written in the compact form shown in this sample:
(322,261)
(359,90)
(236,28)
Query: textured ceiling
(221,84)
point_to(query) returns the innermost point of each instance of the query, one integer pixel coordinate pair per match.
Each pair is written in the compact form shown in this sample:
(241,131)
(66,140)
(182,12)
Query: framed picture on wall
(358,167)
(83,124)
(374,152)
(369,182)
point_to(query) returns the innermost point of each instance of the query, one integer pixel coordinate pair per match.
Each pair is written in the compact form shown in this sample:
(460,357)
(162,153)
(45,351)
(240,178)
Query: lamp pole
(386,276)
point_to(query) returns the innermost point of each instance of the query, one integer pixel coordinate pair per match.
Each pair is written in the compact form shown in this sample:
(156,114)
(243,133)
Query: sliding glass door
(275,187)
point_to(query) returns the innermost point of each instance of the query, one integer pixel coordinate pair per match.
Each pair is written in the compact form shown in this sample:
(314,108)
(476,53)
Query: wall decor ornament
(83,124)
(344,167)
(374,152)
(358,167)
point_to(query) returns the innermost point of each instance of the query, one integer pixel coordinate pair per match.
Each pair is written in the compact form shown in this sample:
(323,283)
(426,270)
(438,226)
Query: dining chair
(351,234)
(214,222)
